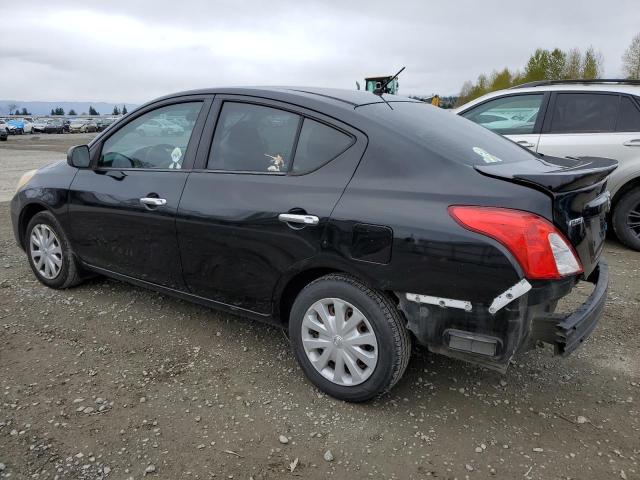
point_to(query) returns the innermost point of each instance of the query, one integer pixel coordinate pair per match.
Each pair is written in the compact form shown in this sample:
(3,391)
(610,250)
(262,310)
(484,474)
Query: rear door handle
(632,143)
(153,202)
(303,219)
(525,143)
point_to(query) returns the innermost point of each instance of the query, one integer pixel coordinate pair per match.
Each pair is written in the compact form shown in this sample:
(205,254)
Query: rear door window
(584,113)
(253,138)
(629,116)
(318,144)
(510,115)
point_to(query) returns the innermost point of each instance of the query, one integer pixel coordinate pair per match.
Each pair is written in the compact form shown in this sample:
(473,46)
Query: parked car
(54,126)
(159,127)
(39,125)
(3,131)
(599,118)
(11,127)
(82,125)
(18,124)
(103,123)
(352,219)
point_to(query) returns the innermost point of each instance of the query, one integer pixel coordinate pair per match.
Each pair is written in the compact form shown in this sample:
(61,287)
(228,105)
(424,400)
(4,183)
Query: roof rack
(561,82)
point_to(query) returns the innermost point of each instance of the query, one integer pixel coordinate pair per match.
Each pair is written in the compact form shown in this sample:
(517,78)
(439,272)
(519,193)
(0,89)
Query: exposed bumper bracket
(440,301)
(509,295)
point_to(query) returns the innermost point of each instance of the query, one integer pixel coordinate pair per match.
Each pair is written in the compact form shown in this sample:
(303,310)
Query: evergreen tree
(93,111)
(24,111)
(124,110)
(116,110)
(537,66)
(72,112)
(53,112)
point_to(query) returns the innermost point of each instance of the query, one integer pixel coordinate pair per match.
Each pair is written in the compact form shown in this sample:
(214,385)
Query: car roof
(338,97)
(609,87)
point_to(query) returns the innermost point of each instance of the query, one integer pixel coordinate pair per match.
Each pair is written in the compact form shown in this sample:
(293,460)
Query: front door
(122,211)
(258,206)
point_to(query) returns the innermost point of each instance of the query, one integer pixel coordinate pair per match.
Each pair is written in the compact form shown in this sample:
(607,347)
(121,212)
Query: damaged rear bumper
(479,334)
(567,332)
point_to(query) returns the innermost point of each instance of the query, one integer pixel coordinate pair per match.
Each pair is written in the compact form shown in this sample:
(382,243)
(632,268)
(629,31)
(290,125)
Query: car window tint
(317,145)
(584,113)
(253,138)
(157,139)
(629,116)
(512,115)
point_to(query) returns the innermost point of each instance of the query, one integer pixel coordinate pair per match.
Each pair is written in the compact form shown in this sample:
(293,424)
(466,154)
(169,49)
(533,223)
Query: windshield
(445,133)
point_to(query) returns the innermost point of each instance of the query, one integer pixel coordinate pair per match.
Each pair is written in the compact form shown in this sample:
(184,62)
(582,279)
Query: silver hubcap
(46,252)
(339,342)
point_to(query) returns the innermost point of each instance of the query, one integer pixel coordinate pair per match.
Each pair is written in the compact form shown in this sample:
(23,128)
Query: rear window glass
(318,144)
(629,116)
(253,138)
(584,113)
(444,133)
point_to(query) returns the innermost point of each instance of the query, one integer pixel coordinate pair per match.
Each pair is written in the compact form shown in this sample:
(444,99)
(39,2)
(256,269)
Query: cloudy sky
(132,51)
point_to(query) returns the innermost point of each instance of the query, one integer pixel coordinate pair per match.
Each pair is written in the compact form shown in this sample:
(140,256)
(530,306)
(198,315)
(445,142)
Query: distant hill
(44,108)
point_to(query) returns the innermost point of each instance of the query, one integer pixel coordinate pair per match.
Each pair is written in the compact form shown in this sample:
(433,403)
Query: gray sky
(132,51)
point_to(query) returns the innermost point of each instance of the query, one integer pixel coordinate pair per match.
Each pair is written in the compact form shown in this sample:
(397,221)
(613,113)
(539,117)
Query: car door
(597,124)
(517,116)
(257,205)
(122,210)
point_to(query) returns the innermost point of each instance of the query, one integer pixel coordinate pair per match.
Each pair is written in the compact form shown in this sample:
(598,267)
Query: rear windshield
(445,133)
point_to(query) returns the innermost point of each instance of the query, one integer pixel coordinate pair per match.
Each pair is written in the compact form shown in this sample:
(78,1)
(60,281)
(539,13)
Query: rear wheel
(50,255)
(349,339)
(626,219)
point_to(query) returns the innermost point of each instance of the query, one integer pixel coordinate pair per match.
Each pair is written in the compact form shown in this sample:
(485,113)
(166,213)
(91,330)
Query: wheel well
(294,286)
(25,217)
(630,185)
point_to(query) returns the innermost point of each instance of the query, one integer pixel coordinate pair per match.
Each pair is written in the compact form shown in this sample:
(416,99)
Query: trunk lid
(577,187)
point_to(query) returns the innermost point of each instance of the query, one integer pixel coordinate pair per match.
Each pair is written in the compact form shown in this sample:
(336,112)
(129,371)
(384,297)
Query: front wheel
(626,219)
(50,255)
(349,339)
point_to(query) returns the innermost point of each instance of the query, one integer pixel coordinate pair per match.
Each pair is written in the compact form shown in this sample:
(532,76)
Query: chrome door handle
(304,219)
(526,144)
(632,143)
(153,202)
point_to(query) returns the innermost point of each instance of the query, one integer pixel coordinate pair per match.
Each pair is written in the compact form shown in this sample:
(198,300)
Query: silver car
(586,118)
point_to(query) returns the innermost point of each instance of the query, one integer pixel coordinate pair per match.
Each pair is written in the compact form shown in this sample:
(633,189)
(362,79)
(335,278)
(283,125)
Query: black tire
(69,274)
(392,336)
(623,215)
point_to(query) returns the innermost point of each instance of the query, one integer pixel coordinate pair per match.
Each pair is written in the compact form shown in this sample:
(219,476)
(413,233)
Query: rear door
(265,185)
(517,116)
(122,211)
(594,124)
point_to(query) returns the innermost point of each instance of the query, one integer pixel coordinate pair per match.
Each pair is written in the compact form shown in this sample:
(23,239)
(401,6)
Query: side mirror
(78,156)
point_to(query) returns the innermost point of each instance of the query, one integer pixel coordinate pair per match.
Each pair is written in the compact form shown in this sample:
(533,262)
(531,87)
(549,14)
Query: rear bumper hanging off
(567,332)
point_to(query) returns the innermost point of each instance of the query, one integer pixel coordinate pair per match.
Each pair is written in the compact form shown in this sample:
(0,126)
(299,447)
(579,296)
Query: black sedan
(358,222)
(54,126)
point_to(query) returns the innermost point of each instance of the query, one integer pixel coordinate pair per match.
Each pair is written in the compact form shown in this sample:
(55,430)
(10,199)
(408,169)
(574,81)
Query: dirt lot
(110,381)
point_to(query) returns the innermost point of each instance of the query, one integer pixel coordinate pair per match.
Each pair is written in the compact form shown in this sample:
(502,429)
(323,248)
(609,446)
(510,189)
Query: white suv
(586,118)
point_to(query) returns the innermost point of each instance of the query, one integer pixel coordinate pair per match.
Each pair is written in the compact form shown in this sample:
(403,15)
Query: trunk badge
(574,222)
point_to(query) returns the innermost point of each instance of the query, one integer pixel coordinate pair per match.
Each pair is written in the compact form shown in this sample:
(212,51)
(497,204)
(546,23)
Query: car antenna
(380,90)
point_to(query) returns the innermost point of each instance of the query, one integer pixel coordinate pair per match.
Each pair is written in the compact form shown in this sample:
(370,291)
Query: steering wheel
(158,156)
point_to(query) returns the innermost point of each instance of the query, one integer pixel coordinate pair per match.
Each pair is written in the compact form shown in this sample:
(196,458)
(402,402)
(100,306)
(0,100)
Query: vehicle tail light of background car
(542,251)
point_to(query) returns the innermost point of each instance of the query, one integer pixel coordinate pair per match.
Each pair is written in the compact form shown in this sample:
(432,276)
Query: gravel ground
(111,381)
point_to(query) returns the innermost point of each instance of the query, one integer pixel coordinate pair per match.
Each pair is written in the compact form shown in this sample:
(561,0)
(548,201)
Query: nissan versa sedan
(359,222)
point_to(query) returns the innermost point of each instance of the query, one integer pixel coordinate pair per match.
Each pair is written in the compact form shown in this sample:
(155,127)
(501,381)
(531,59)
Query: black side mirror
(78,156)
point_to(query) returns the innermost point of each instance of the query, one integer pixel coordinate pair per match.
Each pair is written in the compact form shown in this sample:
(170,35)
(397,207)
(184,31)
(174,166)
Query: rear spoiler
(553,174)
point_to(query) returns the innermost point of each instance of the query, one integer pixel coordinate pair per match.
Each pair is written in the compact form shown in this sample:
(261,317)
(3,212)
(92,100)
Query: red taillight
(540,248)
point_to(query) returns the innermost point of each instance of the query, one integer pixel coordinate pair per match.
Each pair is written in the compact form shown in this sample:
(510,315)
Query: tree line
(553,64)
(13,110)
